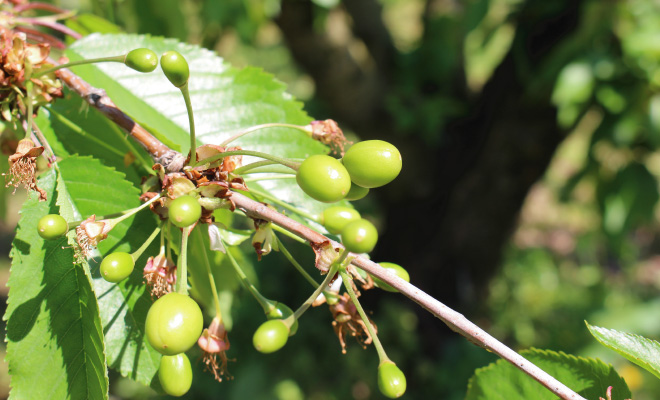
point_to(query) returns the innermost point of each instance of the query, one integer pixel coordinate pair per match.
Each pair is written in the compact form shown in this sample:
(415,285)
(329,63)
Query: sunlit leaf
(53,326)
(587,376)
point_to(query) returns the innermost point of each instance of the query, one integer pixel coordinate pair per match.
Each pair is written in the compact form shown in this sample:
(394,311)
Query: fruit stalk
(382,355)
(216,301)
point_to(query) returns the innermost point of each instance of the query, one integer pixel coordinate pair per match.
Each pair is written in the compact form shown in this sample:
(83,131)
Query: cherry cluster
(186,199)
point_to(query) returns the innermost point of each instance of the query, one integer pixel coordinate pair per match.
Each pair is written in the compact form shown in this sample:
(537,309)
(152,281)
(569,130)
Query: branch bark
(97,98)
(456,321)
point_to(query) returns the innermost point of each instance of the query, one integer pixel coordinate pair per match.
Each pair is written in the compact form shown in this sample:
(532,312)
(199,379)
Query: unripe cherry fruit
(323,178)
(271,336)
(174,323)
(142,60)
(52,226)
(282,311)
(359,236)
(393,269)
(356,193)
(372,163)
(184,211)
(335,218)
(175,67)
(117,266)
(391,380)
(175,374)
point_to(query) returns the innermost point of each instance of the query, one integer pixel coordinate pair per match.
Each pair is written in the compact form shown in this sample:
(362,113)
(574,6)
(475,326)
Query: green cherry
(392,269)
(356,193)
(271,336)
(175,67)
(391,380)
(359,236)
(117,266)
(175,374)
(184,211)
(282,311)
(372,163)
(174,323)
(335,218)
(52,226)
(142,60)
(323,178)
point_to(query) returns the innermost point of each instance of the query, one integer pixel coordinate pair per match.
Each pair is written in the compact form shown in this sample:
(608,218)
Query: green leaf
(88,187)
(90,23)
(73,127)
(587,376)
(638,349)
(55,340)
(225,100)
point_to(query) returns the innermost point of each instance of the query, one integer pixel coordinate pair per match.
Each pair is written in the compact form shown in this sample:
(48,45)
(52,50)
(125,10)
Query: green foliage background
(585,244)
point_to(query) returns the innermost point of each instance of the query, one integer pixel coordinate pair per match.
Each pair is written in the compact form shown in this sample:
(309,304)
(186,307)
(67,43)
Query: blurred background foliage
(530,132)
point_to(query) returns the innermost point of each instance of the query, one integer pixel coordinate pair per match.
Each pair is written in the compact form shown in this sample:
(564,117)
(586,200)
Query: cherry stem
(191,123)
(80,62)
(262,126)
(39,136)
(30,106)
(263,302)
(280,160)
(138,253)
(284,205)
(289,234)
(258,165)
(129,213)
(199,240)
(270,178)
(182,265)
(295,263)
(320,288)
(348,284)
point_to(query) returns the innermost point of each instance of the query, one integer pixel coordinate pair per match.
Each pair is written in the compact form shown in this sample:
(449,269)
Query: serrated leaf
(55,340)
(638,349)
(224,99)
(72,127)
(88,187)
(587,376)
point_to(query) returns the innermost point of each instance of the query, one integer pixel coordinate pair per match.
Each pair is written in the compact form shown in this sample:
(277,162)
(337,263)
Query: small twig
(97,98)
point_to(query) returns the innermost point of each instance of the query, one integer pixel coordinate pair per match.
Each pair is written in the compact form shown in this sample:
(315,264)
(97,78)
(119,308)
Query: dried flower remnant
(263,239)
(22,167)
(328,133)
(90,232)
(18,59)
(160,274)
(347,321)
(214,344)
(325,255)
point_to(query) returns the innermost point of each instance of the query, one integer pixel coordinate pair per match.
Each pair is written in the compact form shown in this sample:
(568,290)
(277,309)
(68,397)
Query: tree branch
(97,98)
(456,321)
(353,89)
